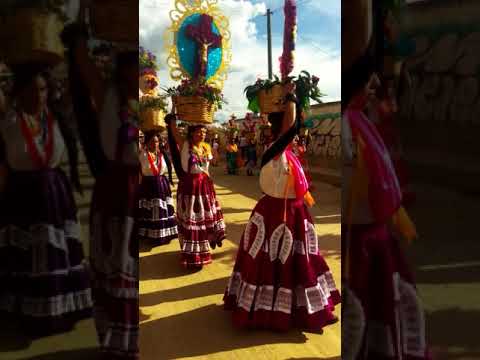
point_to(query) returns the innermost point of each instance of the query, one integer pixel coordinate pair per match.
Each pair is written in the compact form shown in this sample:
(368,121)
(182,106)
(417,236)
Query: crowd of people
(279,279)
(244,147)
(50,283)
(47,110)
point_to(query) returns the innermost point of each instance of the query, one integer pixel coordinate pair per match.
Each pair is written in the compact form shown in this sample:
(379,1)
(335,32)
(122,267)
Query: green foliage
(153,103)
(192,88)
(306,89)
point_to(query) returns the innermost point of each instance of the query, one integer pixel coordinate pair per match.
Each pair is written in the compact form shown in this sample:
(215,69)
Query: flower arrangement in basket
(37,25)
(152,110)
(199,55)
(266,96)
(196,102)
(148,67)
(152,106)
(147,62)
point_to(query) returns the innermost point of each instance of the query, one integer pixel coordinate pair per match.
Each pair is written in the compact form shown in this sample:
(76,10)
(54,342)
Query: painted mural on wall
(325,136)
(443,82)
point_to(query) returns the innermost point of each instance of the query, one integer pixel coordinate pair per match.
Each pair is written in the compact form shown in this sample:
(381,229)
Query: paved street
(181,312)
(446,258)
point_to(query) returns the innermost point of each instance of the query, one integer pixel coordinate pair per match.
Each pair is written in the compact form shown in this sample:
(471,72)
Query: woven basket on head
(356,30)
(194,109)
(152,120)
(115,20)
(271,100)
(31,35)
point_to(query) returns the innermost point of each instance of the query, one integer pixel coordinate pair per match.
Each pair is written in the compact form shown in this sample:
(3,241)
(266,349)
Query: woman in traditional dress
(382,112)
(215,151)
(43,271)
(280,280)
(157,224)
(113,235)
(232,157)
(199,215)
(382,316)
(251,157)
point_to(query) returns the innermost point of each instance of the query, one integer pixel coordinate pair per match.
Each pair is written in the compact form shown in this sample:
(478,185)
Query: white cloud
(249,59)
(327,7)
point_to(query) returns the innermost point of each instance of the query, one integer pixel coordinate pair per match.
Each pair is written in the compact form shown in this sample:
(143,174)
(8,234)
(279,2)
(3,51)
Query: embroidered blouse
(275,172)
(159,162)
(196,161)
(17,153)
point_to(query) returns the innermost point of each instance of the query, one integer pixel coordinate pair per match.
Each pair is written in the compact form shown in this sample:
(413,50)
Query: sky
(317,49)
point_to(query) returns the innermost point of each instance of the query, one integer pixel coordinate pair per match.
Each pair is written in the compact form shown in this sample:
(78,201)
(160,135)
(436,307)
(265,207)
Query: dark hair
(276,119)
(357,75)
(24,74)
(102,49)
(192,129)
(149,135)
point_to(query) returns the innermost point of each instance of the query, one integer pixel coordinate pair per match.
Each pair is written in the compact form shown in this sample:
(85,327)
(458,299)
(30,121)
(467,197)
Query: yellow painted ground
(181,312)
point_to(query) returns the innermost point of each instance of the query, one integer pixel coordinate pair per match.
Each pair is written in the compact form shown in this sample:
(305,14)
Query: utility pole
(269,36)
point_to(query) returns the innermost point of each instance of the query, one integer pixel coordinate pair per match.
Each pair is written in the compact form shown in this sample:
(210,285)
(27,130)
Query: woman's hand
(289,88)
(289,94)
(171,119)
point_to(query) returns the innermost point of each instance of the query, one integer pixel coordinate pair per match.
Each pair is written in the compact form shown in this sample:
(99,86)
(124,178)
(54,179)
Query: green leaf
(254,105)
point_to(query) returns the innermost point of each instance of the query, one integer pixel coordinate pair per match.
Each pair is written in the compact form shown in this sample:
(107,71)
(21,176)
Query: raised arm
(90,74)
(176,134)
(291,109)
(174,141)
(75,38)
(291,123)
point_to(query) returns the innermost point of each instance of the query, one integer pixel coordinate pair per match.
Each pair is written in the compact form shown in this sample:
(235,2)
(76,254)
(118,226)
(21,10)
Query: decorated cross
(206,39)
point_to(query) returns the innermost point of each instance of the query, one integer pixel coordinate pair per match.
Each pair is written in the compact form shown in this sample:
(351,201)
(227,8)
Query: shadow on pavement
(81,354)
(171,334)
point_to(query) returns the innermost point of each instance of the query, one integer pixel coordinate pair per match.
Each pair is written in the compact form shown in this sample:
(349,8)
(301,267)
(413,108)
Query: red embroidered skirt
(114,259)
(200,219)
(382,314)
(280,280)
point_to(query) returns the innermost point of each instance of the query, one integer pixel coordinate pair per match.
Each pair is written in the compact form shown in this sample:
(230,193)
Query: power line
(315,45)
